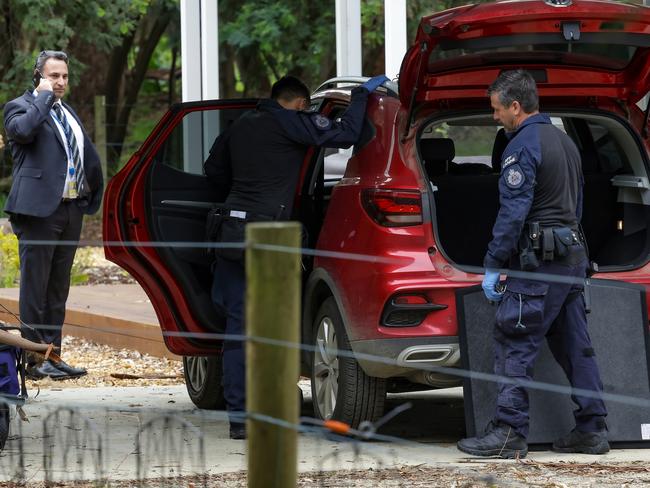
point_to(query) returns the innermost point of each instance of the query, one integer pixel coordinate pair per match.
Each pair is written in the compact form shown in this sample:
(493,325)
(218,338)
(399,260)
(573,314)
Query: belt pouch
(534,234)
(547,245)
(527,259)
(564,237)
(233,232)
(212,226)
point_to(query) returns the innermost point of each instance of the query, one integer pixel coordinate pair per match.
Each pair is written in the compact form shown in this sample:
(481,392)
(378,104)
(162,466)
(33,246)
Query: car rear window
(593,50)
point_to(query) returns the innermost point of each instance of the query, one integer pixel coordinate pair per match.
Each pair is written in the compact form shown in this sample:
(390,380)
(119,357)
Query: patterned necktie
(72,144)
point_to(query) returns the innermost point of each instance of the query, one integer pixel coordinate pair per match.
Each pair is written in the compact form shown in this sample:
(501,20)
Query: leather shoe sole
(69,370)
(47,369)
(499,452)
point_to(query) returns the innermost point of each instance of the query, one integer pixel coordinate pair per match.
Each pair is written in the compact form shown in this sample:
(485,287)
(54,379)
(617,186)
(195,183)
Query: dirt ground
(515,474)
(112,367)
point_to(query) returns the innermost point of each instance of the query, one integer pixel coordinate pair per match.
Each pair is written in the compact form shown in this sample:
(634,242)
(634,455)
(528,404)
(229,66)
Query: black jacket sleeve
(218,166)
(313,129)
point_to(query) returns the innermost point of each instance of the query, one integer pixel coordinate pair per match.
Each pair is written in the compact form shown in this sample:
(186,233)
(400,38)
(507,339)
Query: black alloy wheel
(203,381)
(341,390)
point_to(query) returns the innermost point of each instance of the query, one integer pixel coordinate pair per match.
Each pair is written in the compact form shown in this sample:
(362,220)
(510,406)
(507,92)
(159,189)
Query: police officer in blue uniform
(256,164)
(540,194)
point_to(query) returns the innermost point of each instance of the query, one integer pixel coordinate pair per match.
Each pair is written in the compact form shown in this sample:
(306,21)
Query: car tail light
(408,310)
(393,208)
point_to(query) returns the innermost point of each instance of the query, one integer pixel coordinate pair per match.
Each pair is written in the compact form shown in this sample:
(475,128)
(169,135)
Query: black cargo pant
(530,311)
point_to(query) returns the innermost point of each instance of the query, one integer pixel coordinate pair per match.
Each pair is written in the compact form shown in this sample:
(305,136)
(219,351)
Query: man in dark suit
(57,178)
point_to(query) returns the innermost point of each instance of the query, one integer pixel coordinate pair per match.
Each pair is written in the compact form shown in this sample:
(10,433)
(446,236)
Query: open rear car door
(154,221)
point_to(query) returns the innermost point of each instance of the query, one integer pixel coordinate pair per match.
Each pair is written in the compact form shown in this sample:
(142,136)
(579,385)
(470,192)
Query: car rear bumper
(413,358)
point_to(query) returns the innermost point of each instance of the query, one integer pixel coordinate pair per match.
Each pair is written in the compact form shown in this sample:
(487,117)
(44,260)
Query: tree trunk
(123,85)
(171,83)
(149,41)
(117,66)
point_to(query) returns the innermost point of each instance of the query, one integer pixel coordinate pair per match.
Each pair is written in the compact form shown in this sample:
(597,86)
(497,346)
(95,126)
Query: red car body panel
(525,17)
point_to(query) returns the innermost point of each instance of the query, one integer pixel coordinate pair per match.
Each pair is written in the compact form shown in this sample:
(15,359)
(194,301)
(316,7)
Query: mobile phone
(37,78)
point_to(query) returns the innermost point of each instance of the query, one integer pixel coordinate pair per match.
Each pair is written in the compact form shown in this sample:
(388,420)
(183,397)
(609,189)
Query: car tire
(203,381)
(341,390)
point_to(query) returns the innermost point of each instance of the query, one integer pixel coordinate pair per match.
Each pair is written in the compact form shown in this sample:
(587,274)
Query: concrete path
(172,443)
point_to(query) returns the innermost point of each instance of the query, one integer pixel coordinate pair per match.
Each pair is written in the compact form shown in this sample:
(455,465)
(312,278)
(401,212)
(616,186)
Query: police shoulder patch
(513,158)
(514,176)
(321,122)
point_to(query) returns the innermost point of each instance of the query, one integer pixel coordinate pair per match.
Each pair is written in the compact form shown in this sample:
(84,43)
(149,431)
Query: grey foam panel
(618,326)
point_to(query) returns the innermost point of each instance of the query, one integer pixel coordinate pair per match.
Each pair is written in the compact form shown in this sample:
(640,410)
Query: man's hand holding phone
(44,85)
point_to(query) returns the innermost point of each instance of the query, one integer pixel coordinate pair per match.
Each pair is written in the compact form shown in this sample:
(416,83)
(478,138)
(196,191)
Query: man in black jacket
(257,163)
(57,178)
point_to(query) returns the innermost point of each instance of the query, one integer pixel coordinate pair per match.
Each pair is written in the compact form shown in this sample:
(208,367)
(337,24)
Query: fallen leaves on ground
(96,269)
(135,368)
(481,474)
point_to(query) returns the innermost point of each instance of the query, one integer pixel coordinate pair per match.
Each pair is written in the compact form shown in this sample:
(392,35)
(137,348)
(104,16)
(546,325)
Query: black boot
(583,442)
(237,431)
(498,440)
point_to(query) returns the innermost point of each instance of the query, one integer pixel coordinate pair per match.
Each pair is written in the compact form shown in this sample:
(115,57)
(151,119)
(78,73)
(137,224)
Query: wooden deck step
(120,316)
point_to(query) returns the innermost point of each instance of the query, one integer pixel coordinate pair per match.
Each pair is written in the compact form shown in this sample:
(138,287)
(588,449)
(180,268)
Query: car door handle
(188,203)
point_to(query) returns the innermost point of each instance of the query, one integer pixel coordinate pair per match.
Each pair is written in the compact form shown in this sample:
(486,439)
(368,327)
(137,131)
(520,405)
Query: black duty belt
(553,243)
(242,214)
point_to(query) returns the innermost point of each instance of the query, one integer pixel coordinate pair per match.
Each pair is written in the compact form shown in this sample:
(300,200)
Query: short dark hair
(516,85)
(43,56)
(289,88)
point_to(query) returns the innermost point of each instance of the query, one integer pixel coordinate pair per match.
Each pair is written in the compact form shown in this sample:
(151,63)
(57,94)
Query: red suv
(418,194)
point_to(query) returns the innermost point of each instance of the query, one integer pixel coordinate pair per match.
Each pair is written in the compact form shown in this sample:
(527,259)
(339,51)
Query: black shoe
(498,440)
(45,370)
(70,371)
(583,442)
(238,431)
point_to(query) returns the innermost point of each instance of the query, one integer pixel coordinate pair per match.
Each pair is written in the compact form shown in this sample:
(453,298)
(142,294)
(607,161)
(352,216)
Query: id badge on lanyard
(72,184)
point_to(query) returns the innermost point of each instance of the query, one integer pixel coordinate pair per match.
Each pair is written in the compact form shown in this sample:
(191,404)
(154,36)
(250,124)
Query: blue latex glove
(489,284)
(375,82)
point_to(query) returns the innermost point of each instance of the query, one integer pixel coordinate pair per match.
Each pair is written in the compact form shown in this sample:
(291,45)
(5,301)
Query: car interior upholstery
(615,217)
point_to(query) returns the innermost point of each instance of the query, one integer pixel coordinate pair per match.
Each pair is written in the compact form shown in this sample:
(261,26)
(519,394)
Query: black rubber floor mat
(618,326)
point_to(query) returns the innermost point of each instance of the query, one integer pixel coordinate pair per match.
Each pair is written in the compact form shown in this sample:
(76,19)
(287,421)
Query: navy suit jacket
(40,158)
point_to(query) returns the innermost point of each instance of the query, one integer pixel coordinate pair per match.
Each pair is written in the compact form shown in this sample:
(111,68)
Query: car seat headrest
(500,143)
(437,154)
(440,148)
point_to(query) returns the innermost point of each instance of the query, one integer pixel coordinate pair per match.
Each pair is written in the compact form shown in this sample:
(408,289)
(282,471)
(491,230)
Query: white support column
(395,35)
(190,46)
(200,77)
(209,49)
(348,38)
(209,72)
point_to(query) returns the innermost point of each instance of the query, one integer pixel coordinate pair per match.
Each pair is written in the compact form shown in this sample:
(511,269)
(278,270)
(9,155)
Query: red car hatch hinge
(423,49)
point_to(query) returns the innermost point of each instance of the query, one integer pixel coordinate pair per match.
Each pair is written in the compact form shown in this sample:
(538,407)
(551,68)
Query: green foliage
(3,199)
(9,263)
(82,260)
(262,40)
(273,38)
(29,26)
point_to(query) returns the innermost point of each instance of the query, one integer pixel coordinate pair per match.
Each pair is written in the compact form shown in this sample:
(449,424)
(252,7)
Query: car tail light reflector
(393,208)
(408,310)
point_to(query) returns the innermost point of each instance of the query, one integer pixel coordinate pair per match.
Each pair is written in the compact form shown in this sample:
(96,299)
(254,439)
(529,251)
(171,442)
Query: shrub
(9,263)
